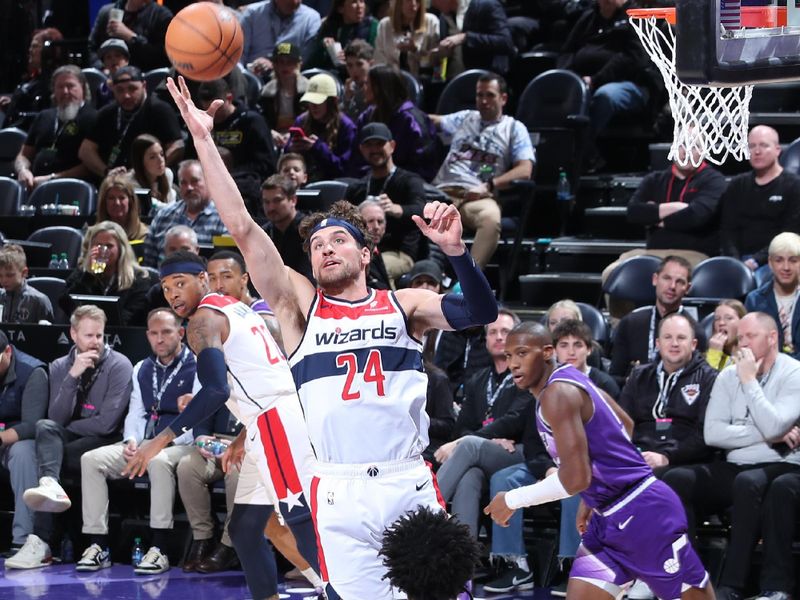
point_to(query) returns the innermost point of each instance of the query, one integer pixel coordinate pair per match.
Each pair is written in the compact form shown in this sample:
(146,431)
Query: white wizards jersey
(257,369)
(360,379)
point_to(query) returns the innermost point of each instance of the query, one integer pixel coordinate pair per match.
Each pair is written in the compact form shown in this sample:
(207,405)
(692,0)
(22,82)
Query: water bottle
(63,262)
(215,447)
(137,553)
(486,173)
(564,197)
(53,264)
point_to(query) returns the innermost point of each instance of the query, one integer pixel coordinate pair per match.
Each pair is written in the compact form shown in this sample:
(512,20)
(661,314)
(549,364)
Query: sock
(160,539)
(312,577)
(522,563)
(100,540)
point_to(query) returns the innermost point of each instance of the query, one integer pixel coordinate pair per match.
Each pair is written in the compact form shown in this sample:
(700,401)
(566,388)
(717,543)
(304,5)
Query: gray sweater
(745,420)
(109,395)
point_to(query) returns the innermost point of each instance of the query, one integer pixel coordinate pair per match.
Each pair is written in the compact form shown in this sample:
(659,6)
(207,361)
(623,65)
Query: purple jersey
(616,465)
(260,306)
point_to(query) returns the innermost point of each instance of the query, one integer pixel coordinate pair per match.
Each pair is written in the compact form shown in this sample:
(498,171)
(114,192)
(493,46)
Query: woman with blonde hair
(723,341)
(117,202)
(108,267)
(562,310)
(407,36)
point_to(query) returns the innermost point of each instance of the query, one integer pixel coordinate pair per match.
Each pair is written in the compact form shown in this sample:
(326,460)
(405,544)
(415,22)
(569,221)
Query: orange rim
(668,14)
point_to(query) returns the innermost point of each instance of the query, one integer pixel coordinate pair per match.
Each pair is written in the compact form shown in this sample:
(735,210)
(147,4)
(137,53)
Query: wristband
(548,489)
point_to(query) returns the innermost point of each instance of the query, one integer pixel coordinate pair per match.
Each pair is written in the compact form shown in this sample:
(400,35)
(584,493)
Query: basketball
(204,41)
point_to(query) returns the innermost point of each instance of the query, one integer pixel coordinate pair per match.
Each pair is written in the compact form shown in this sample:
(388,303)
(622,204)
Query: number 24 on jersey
(373,373)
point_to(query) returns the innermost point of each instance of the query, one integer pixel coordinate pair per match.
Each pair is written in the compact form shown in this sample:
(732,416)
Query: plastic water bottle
(137,553)
(485,173)
(53,264)
(215,447)
(63,262)
(564,197)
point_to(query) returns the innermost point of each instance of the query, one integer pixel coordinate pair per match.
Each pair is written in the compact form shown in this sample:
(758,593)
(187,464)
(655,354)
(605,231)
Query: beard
(69,112)
(337,278)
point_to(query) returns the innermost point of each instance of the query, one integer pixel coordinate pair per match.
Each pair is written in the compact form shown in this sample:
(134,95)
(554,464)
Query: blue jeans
(614,98)
(508,541)
(20,460)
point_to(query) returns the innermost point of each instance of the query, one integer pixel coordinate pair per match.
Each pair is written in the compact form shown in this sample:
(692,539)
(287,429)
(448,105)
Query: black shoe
(222,559)
(725,592)
(199,550)
(513,578)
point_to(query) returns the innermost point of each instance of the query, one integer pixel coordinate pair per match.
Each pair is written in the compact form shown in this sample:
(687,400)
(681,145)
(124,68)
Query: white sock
(312,577)
(522,563)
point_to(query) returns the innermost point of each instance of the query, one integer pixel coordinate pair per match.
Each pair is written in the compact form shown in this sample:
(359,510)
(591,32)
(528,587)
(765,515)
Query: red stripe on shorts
(323,567)
(285,457)
(278,481)
(439,497)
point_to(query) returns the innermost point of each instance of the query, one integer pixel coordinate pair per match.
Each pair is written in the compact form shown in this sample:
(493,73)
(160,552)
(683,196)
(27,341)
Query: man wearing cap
(426,274)
(51,148)
(132,113)
(280,96)
(113,53)
(400,193)
(488,151)
(269,22)
(143,27)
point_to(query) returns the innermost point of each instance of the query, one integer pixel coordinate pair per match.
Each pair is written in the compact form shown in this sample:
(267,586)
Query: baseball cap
(127,73)
(113,44)
(426,267)
(375,131)
(320,88)
(286,49)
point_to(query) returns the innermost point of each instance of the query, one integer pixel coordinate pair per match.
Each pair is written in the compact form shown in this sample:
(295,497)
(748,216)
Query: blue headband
(189,267)
(334,222)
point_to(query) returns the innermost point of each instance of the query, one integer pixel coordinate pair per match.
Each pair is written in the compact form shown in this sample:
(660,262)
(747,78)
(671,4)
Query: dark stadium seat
(632,280)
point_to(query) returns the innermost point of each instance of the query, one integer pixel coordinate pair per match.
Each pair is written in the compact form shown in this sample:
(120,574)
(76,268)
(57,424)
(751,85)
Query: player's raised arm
(427,310)
(269,274)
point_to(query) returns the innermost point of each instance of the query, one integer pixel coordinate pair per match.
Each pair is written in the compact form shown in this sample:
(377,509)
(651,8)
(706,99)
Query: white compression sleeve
(548,489)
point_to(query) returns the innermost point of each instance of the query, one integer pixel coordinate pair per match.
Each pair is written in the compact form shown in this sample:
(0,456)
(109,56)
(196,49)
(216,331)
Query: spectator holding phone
(280,96)
(322,135)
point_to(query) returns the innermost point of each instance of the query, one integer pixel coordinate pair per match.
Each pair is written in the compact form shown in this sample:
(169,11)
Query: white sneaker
(152,563)
(640,591)
(34,554)
(94,558)
(48,497)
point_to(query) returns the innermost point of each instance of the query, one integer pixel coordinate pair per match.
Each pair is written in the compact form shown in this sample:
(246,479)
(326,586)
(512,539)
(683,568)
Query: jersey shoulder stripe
(217,301)
(378,303)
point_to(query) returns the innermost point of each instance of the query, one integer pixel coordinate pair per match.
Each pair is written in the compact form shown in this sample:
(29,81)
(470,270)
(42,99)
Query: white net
(711,123)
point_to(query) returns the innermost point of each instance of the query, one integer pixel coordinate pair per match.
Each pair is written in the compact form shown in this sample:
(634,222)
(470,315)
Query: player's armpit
(563,407)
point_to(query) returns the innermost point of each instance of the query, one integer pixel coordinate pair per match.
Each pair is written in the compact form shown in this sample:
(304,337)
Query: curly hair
(428,555)
(342,209)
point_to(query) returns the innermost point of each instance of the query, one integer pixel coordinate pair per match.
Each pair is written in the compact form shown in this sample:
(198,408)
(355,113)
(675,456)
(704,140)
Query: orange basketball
(204,41)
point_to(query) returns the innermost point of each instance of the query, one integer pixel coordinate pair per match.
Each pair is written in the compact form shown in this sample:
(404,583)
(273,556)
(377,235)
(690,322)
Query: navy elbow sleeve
(478,305)
(213,376)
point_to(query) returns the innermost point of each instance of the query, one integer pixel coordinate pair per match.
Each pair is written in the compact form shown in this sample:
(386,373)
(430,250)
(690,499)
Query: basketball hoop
(711,123)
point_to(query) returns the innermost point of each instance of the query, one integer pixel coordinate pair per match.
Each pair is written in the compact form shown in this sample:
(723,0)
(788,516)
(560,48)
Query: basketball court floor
(62,582)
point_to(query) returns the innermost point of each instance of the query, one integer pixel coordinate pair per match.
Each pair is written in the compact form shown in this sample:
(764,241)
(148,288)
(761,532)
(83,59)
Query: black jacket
(476,414)
(682,440)
(488,44)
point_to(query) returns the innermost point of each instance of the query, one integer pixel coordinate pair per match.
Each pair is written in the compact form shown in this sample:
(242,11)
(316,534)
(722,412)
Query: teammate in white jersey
(239,363)
(359,367)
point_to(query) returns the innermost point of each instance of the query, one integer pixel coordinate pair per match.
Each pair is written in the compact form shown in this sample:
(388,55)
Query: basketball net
(711,123)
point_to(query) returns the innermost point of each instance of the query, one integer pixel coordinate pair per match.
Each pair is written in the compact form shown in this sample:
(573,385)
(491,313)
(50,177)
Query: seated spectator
(460,354)
(33,94)
(406,37)
(635,337)
(439,406)
(150,172)
(271,23)
(327,134)
(157,384)
(375,219)
(108,267)
(195,208)
(293,166)
(667,401)
(90,389)
(358,60)
(449,52)
(113,54)
(279,200)
(19,302)
(490,397)
(400,193)
(485,37)
(346,22)
(417,146)
(117,202)
(280,97)
(760,204)
(177,237)
(132,113)
(753,405)
(488,151)
(724,340)
(56,134)
(573,343)
(143,28)
(778,297)
(23,402)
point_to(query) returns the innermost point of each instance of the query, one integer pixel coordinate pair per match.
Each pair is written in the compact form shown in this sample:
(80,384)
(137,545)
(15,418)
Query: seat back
(66,191)
(253,88)
(61,239)
(96,78)
(790,157)
(53,288)
(414,88)
(11,140)
(12,195)
(596,322)
(154,77)
(707,325)
(459,93)
(632,280)
(329,192)
(721,277)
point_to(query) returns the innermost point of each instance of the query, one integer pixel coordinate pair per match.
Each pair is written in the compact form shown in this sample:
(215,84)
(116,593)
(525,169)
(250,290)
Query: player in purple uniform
(633,525)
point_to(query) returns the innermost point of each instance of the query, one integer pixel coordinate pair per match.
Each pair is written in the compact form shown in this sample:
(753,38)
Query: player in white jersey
(240,364)
(359,366)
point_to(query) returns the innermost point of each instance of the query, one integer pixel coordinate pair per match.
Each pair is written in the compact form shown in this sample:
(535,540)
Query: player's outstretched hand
(137,465)
(498,510)
(443,227)
(199,122)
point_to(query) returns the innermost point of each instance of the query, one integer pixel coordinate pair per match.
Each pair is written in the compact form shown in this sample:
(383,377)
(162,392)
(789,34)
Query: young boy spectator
(293,166)
(19,302)
(358,59)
